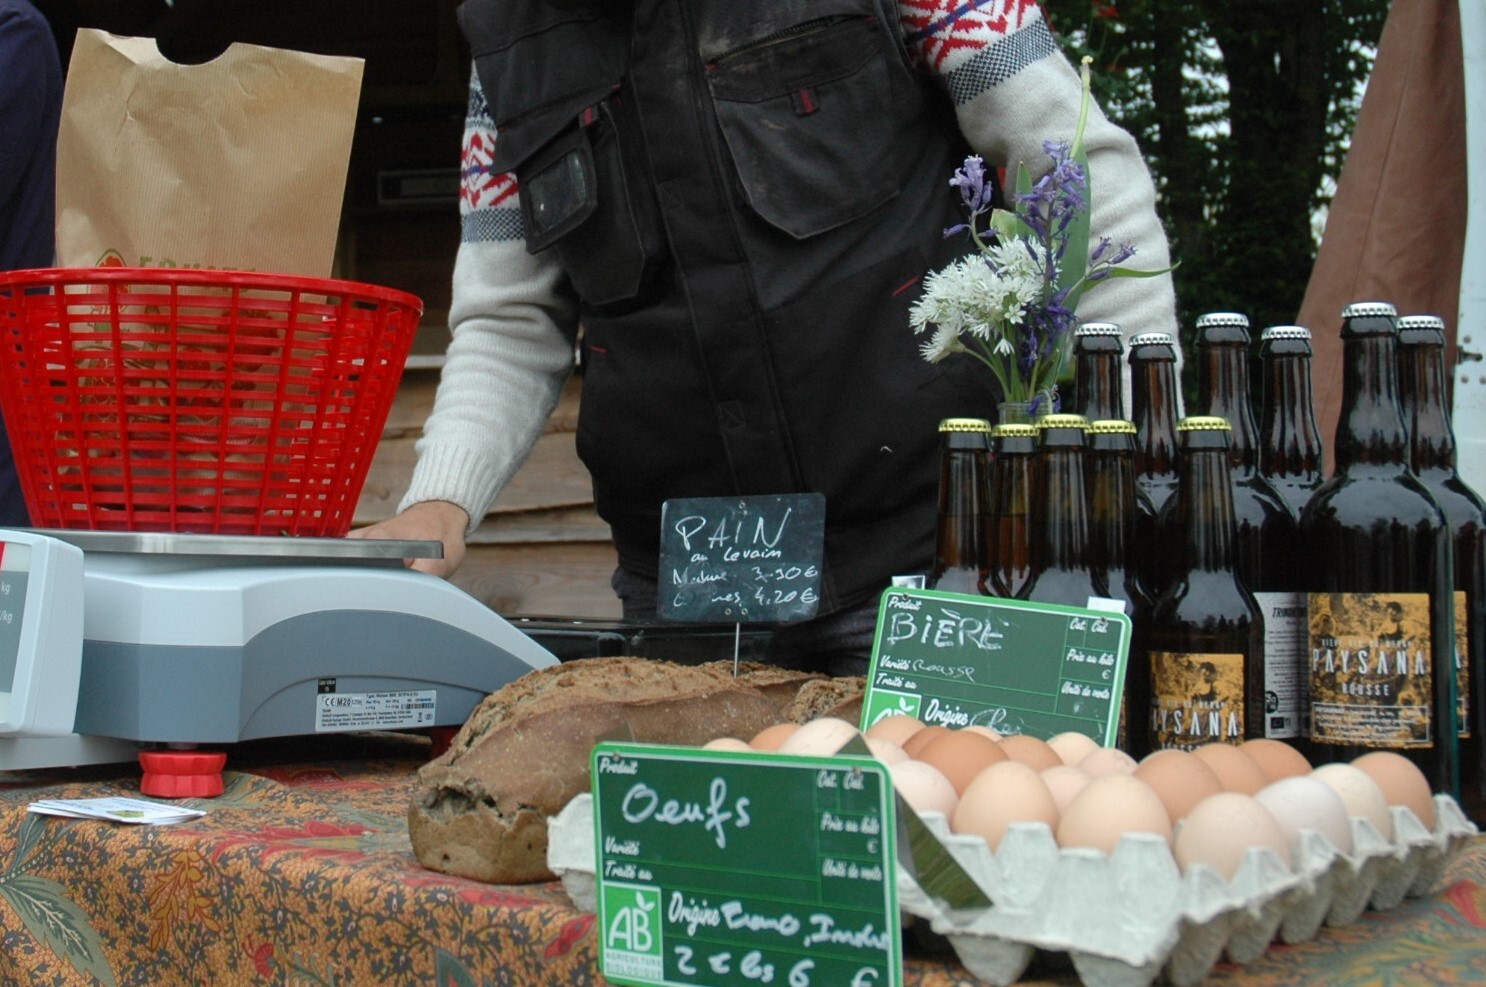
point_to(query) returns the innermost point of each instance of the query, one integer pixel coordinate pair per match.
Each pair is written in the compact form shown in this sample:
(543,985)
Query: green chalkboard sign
(1033,668)
(741,560)
(726,869)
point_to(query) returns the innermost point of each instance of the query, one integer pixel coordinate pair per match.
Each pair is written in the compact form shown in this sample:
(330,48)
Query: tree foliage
(1244,109)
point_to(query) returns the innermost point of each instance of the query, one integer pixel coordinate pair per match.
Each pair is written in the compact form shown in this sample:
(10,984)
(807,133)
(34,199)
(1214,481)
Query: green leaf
(55,921)
(33,831)
(1076,256)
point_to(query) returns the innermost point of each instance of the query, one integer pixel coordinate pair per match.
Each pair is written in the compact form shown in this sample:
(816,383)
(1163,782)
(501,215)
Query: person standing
(738,201)
(30,108)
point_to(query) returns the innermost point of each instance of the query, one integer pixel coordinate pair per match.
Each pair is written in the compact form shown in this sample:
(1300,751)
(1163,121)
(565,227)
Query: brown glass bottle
(962,540)
(1012,471)
(1155,407)
(1098,371)
(1062,566)
(1421,379)
(1380,591)
(1266,528)
(1116,507)
(1290,449)
(1206,672)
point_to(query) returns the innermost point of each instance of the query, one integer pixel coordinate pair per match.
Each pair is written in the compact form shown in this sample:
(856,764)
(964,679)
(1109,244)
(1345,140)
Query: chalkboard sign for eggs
(741,559)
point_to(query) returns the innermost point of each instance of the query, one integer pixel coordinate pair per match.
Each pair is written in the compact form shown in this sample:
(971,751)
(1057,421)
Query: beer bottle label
(1370,675)
(1196,699)
(1462,664)
(1284,663)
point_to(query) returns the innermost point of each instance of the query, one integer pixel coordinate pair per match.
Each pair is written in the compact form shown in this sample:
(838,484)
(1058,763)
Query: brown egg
(769,738)
(1220,830)
(1031,751)
(1006,792)
(1179,779)
(960,756)
(987,731)
(1073,746)
(1401,781)
(1107,761)
(1235,769)
(895,727)
(1107,809)
(1065,782)
(920,739)
(1276,758)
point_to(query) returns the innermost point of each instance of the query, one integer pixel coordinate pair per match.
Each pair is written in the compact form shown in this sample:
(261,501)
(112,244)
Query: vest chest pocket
(813,120)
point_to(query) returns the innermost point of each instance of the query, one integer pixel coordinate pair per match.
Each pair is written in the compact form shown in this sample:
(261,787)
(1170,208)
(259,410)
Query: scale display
(41,634)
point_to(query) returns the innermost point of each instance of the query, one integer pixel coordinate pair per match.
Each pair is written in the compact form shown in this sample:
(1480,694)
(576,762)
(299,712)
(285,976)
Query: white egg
(824,737)
(1302,802)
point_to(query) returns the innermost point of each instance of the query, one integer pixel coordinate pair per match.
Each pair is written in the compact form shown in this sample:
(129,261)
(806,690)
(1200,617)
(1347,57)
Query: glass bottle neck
(1292,442)
(1204,511)
(1098,386)
(1224,381)
(1370,431)
(1154,410)
(1421,374)
(1063,534)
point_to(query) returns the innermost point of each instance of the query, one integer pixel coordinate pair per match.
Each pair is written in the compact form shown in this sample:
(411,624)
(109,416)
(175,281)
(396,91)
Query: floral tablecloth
(301,874)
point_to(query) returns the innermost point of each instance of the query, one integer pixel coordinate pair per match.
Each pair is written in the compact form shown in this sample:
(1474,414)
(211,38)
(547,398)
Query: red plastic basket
(217,402)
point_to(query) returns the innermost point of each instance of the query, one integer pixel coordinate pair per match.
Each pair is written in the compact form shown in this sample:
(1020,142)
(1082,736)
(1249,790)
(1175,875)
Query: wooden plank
(561,580)
(563,524)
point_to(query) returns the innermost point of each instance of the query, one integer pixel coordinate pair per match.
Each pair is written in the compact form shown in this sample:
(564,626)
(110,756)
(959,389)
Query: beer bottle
(1290,451)
(1062,566)
(1012,470)
(1206,638)
(1266,529)
(1098,371)
(1421,378)
(1380,588)
(1155,402)
(962,546)
(1115,507)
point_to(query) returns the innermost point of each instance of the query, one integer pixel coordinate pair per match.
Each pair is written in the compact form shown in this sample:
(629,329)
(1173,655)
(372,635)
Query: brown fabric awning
(1396,229)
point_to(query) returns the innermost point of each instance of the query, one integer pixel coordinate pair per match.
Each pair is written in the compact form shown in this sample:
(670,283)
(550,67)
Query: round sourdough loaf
(481,808)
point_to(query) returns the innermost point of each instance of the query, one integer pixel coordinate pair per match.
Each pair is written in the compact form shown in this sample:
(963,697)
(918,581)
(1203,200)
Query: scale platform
(190,640)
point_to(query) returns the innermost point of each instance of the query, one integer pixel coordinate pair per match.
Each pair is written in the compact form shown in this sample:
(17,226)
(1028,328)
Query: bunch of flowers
(1011,303)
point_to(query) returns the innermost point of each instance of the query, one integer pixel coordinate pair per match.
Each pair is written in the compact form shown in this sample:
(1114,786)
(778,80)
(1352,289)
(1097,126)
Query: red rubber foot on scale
(181,774)
(442,737)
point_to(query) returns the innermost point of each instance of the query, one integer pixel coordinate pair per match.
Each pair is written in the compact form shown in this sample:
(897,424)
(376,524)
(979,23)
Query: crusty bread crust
(482,806)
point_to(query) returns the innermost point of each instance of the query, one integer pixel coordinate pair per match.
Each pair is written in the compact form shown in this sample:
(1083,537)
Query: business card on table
(116,809)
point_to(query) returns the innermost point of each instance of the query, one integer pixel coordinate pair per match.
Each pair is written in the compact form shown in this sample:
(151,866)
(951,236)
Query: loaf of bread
(482,806)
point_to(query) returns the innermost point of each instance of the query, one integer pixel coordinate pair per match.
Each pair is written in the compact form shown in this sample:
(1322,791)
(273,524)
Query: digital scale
(111,642)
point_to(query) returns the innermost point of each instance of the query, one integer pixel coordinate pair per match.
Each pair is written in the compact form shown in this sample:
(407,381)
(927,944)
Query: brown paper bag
(239,163)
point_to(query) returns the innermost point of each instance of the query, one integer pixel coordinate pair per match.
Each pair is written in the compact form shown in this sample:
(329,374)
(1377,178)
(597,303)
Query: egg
(1276,758)
(886,751)
(919,739)
(1107,761)
(1302,802)
(727,744)
(987,731)
(1236,770)
(1031,751)
(1179,779)
(1401,781)
(1359,793)
(822,737)
(1006,792)
(1064,781)
(1220,830)
(1073,746)
(770,737)
(923,787)
(896,727)
(1109,807)
(960,756)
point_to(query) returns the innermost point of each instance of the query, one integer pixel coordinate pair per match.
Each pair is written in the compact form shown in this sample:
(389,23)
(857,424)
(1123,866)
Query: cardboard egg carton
(1133,916)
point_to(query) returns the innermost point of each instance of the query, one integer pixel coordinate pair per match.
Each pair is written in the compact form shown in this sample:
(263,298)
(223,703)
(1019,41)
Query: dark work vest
(746,196)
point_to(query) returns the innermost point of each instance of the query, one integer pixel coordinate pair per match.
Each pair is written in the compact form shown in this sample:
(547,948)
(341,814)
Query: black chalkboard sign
(1034,668)
(731,869)
(741,559)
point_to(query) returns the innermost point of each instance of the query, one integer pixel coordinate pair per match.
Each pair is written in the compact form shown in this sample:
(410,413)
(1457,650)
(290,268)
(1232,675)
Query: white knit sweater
(512,314)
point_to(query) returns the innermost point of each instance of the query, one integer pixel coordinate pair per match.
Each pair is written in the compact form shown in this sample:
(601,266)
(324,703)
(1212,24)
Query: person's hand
(430,520)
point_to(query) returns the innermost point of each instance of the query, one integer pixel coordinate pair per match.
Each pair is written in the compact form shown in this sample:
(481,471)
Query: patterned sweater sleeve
(512,322)
(1012,89)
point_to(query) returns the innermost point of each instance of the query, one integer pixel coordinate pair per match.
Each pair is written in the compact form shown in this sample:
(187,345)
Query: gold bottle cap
(1010,430)
(965,425)
(1111,426)
(1059,420)
(1203,423)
